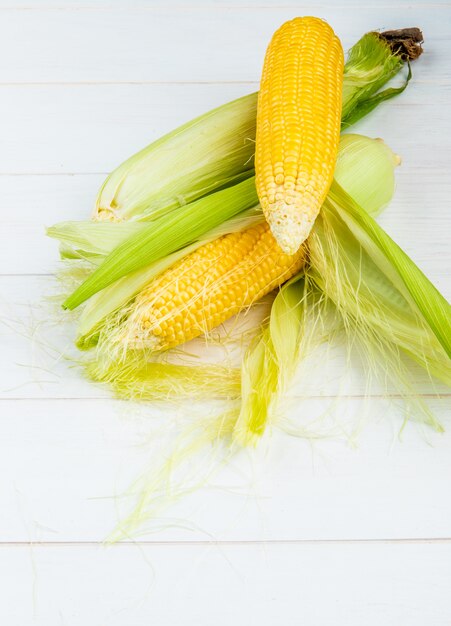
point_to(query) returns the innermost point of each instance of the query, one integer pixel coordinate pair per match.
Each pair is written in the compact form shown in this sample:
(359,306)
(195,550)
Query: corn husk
(350,167)
(206,154)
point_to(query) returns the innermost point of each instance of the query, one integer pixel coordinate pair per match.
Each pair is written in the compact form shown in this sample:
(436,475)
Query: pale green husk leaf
(213,151)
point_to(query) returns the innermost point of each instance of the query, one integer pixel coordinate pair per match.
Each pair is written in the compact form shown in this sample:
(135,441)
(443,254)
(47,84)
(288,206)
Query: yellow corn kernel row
(298,126)
(209,286)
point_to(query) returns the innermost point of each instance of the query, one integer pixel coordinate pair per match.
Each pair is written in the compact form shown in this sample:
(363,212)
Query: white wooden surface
(298,533)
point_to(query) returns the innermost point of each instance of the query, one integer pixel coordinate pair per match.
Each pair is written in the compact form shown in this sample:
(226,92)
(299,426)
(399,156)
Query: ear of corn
(119,293)
(298,126)
(202,291)
(210,286)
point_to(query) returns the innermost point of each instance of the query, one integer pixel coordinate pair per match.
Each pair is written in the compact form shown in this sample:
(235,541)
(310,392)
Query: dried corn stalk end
(405,42)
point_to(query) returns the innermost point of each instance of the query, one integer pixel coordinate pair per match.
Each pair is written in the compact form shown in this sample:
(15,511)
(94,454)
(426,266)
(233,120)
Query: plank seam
(219,7)
(232,542)
(430,396)
(401,172)
(100,83)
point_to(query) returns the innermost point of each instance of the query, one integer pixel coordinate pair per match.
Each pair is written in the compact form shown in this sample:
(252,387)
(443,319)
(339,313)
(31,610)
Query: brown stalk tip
(405,43)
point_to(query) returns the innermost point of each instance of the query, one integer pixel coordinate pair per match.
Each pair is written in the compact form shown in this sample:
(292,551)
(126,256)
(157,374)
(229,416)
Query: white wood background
(299,533)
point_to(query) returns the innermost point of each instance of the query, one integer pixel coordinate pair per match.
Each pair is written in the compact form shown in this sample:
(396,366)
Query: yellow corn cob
(207,287)
(298,126)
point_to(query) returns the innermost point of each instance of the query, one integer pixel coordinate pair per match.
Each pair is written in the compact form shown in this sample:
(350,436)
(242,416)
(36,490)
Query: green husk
(380,285)
(418,291)
(371,63)
(352,161)
(423,298)
(261,375)
(92,241)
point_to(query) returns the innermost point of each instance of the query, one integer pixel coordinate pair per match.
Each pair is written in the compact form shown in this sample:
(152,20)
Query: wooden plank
(92,129)
(144,44)
(66,465)
(373,584)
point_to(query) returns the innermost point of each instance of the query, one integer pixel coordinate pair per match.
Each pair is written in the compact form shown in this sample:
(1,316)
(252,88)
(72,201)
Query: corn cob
(207,287)
(298,126)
